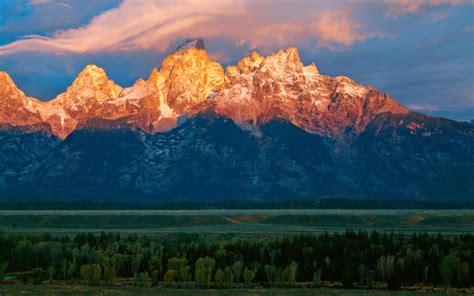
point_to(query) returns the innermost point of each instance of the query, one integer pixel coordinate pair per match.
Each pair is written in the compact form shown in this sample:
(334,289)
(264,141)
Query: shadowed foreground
(81,290)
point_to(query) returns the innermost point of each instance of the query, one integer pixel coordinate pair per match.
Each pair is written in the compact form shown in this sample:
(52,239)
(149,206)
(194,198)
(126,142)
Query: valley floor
(244,222)
(57,290)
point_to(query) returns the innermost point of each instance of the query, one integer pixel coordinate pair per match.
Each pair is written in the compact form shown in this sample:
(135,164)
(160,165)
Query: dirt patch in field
(242,219)
(415,219)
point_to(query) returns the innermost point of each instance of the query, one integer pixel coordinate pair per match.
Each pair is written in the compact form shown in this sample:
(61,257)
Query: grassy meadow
(11,290)
(235,221)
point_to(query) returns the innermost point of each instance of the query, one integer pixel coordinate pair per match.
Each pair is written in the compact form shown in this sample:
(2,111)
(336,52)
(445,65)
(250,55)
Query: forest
(351,259)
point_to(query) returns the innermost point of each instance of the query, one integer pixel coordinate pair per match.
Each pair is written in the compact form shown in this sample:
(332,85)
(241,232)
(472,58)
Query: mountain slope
(267,128)
(255,91)
(260,89)
(210,157)
(16,109)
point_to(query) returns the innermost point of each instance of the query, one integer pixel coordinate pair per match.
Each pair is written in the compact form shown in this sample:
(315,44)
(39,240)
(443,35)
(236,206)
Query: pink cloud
(156,24)
(336,27)
(469,29)
(444,2)
(39,2)
(135,24)
(219,57)
(280,34)
(428,107)
(400,7)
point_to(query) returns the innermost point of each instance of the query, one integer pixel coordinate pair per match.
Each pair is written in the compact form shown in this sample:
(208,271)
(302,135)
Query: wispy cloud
(51,3)
(402,7)
(40,2)
(462,111)
(134,24)
(145,24)
(336,27)
(427,107)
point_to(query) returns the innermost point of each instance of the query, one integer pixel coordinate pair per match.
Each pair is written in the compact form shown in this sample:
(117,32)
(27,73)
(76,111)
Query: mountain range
(267,128)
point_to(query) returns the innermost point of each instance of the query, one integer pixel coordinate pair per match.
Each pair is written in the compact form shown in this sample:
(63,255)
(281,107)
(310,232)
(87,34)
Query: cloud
(23,17)
(135,24)
(52,3)
(336,28)
(156,24)
(279,34)
(427,107)
(469,29)
(460,112)
(40,2)
(440,16)
(220,57)
(401,7)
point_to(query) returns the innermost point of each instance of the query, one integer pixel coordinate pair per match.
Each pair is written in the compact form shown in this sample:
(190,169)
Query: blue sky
(420,52)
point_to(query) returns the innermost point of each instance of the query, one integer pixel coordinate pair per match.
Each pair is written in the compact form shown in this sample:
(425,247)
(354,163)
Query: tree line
(362,259)
(323,203)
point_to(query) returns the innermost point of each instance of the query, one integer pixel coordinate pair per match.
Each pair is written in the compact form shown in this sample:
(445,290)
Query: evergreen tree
(249,277)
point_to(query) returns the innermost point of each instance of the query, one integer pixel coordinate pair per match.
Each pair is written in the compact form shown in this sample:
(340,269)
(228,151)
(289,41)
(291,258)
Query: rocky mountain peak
(95,78)
(188,77)
(16,109)
(154,76)
(312,69)
(83,101)
(5,79)
(8,90)
(92,73)
(255,91)
(194,43)
(249,63)
(274,129)
(293,55)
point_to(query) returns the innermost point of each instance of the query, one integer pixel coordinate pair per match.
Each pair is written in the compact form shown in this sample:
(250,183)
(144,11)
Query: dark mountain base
(210,158)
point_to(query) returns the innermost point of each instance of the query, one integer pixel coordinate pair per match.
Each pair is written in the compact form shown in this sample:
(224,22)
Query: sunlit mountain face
(269,127)
(255,91)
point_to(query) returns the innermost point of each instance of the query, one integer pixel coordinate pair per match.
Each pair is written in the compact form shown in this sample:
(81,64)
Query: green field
(82,290)
(236,221)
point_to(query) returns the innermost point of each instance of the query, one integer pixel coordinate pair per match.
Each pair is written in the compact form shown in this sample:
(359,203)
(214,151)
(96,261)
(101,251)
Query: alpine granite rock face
(267,128)
(260,89)
(16,109)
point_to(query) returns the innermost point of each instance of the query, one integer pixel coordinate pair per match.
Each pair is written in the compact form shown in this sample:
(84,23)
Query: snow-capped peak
(256,90)
(93,82)
(91,74)
(94,71)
